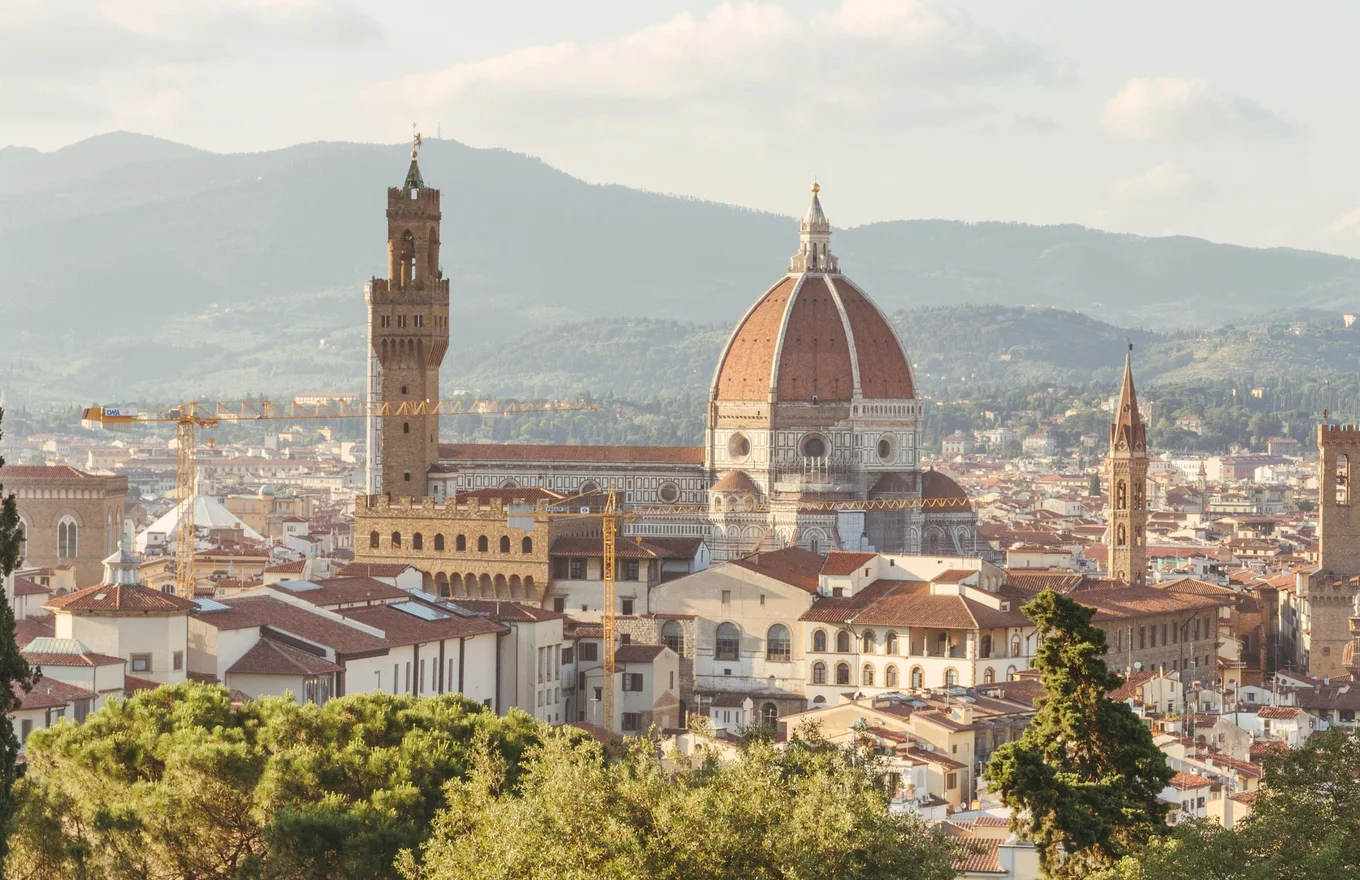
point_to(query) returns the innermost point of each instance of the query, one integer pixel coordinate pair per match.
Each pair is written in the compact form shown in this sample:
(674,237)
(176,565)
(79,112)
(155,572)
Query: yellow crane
(189,417)
(611,518)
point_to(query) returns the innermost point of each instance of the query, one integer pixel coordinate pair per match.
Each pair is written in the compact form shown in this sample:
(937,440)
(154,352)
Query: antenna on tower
(1326,411)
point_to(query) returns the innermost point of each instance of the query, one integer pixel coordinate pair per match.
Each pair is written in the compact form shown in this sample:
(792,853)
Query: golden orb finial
(816,188)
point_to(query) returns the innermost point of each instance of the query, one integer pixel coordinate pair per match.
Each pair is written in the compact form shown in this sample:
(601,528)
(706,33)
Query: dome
(736,481)
(939,486)
(266,492)
(814,335)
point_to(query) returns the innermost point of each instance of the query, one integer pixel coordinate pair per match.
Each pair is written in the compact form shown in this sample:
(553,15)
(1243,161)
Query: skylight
(424,612)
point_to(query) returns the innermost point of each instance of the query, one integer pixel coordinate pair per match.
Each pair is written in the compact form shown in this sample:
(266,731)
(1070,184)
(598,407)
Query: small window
(505,543)
(866,676)
(406,475)
(890,677)
(406,427)
(568,656)
(727,597)
(482,544)
(417,541)
(885,449)
(632,722)
(627,607)
(769,714)
(951,678)
(438,543)
(578,569)
(396,539)
(630,570)
(559,604)
(141,662)
(373,540)
(589,651)
(890,643)
(177,662)
(460,544)
(632,681)
(526,546)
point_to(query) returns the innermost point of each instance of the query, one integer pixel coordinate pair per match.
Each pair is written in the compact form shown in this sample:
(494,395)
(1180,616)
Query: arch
(951,677)
(869,642)
(396,539)
(589,487)
(778,644)
(529,587)
(482,544)
(890,643)
(988,675)
(68,538)
(843,642)
(439,543)
(819,700)
(1343,479)
(986,651)
(769,714)
(441,583)
(918,678)
(1015,646)
(819,641)
(819,673)
(373,540)
(470,588)
(890,676)
(866,675)
(526,545)
(505,543)
(417,541)
(727,645)
(814,545)
(509,484)
(1121,538)
(842,673)
(673,637)
(1121,496)
(501,587)
(816,446)
(1011,672)
(460,544)
(484,587)
(516,587)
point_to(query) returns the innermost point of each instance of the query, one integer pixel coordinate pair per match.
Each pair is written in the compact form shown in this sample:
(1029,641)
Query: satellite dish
(1138,667)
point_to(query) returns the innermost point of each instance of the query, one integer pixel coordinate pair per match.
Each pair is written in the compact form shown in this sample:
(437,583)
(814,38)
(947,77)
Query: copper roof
(120,599)
(268,657)
(478,452)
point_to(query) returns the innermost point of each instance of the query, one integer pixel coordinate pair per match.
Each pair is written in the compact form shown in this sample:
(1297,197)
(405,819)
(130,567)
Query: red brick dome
(813,336)
(937,485)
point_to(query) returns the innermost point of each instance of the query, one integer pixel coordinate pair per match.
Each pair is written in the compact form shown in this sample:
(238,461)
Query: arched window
(866,676)
(441,582)
(777,643)
(986,646)
(819,641)
(728,644)
(589,487)
(481,544)
(890,677)
(1121,536)
(918,678)
(526,545)
(988,675)
(439,543)
(769,714)
(417,541)
(1121,500)
(68,544)
(951,677)
(1015,646)
(673,637)
(869,642)
(1011,673)
(373,540)
(819,700)
(1343,479)
(505,543)
(814,546)
(396,539)
(460,543)
(406,427)
(843,642)
(819,673)
(890,643)
(842,673)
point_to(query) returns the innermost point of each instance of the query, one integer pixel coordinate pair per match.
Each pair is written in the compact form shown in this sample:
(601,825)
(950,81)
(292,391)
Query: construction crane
(188,418)
(611,518)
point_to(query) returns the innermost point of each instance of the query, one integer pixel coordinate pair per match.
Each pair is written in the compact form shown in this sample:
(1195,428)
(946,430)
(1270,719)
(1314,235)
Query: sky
(1232,121)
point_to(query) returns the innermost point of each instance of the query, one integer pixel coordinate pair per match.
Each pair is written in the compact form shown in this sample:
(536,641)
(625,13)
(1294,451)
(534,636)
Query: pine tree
(1083,781)
(15,673)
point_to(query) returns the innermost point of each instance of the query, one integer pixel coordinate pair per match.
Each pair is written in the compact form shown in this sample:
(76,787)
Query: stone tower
(408,336)
(1127,467)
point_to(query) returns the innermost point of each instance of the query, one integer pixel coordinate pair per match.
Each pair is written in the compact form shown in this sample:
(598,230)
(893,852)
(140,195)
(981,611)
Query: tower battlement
(1331,435)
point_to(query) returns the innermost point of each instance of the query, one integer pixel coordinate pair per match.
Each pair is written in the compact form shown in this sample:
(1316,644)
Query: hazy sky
(1230,120)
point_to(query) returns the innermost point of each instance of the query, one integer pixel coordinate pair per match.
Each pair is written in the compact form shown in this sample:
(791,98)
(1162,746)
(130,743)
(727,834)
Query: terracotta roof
(1122,603)
(792,565)
(244,612)
(842,562)
(512,612)
(66,652)
(735,481)
(120,599)
(373,569)
(892,484)
(294,567)
(840,609)
(25,587)
(1189,780)
(402,628)
(1196,587)
(342,591)
(1022,690)
(1278,712)
(981,856)
(30,471)
(637,653)
(913,605)
(48,693)
(132,683)
(525,494)
(30,628)
(268,657)
(575,629)
(937,484)
(1037,581)
(477,452)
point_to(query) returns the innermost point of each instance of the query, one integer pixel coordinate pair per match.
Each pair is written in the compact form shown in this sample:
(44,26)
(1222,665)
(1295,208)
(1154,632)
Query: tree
(16,676)
(1083,780)
(181,782)
(1305,823)
(809,812)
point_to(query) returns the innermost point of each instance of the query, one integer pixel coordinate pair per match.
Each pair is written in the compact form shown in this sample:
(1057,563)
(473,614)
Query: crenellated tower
(1127,468)
(408,336)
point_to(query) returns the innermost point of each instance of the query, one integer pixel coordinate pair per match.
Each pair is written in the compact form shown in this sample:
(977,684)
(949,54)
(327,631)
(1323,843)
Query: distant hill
(138,266)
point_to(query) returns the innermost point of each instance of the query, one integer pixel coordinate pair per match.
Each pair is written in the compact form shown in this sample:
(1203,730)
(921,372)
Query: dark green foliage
(1085,771)
(16,676)
(178,782)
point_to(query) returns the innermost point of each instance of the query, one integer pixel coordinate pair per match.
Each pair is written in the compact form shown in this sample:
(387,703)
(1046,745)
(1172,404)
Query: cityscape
(927,549)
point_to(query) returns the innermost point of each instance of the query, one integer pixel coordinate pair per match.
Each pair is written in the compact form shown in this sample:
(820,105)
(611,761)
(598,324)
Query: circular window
(739,446)
(814,447)
(885,449)
(669,493)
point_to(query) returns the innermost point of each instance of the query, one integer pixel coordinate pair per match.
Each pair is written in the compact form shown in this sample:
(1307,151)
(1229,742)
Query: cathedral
(813,434)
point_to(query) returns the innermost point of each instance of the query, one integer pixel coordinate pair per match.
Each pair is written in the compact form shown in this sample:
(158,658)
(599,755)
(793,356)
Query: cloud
(902,63)
(1171,107)
(1035,124)
(1348,223)
(1161,183)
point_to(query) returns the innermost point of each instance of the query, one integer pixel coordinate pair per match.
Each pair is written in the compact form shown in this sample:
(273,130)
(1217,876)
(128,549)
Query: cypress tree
(16,675)
(1083,780)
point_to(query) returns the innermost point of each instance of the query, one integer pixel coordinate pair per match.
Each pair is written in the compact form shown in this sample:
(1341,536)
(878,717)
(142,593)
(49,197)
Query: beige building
(646,690)
(265,511)
(68,517)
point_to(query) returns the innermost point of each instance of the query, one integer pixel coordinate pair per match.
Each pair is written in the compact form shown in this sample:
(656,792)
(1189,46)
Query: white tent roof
(208,514)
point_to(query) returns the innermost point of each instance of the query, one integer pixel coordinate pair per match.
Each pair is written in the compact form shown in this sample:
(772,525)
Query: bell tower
(408,335)
(1127,468)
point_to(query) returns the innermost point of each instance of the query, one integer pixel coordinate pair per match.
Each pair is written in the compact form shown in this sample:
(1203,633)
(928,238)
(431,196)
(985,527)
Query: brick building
(69,517)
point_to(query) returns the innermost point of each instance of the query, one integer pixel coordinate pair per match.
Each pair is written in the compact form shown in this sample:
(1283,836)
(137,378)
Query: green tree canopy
(810,812)
(178,782)
(1305,824)
(1083,780)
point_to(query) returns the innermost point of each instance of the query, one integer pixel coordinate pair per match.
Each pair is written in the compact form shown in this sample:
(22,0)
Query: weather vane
(415,140)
